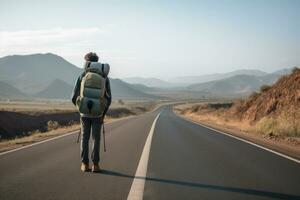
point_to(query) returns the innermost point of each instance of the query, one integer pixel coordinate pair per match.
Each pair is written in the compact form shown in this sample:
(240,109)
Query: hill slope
(188,80)
(27,72)
(282,97)
(51,76)
(150,82)
(58,89)
(236,85)
(7,91)
(123,90)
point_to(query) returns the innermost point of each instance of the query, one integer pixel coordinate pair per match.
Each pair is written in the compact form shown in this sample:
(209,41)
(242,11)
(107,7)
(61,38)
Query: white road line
(43,141)
(137,188)
(246,141)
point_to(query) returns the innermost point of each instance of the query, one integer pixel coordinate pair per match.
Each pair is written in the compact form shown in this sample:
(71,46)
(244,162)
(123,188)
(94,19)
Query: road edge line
(37,143)
(136,191)
(55,138)
(242,139)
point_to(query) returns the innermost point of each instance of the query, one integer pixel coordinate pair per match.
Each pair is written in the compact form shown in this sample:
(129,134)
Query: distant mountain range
(48,76)
(184,81)
(238,85)
(233,84)
(8,91)
(33,73)
(150,82)
(57,89)
(188,80)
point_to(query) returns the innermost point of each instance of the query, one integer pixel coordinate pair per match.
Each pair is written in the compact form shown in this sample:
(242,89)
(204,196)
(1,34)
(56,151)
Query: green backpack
(92,101)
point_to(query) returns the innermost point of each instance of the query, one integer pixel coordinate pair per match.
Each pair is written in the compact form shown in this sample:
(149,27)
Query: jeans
(89,125)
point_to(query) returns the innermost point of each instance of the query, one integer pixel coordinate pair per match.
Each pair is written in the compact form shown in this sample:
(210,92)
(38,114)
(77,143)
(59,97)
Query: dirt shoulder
(6,145)
(286,145)
(36,126)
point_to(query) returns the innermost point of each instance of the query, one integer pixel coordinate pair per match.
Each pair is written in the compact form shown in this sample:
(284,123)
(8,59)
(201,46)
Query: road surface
(186,161)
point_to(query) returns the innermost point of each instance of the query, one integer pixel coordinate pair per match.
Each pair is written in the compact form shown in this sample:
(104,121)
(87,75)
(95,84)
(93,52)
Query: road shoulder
(280,147)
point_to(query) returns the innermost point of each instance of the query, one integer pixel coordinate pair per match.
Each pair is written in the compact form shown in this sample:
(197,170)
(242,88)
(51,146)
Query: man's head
(91,57)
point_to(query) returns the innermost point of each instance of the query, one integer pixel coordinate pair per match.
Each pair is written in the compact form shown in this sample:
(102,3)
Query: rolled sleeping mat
(101,68)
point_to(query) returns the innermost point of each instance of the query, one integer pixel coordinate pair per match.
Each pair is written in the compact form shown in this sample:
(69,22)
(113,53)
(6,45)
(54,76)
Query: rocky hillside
(282,97)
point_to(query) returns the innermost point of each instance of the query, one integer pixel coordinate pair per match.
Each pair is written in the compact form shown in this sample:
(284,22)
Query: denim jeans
(89,125)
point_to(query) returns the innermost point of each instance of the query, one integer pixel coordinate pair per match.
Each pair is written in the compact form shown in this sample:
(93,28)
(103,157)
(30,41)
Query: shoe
(95,167)
(85,167)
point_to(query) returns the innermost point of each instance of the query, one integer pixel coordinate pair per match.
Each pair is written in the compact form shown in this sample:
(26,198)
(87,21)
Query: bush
(253,95)
(52,125)
(280,127)
(265,88)
(121,102)
(295,69)
(266,126)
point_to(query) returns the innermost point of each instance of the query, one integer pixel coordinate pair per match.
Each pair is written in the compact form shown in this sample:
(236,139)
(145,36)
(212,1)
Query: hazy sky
(157,38)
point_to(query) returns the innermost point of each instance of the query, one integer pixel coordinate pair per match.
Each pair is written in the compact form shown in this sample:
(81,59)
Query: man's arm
(76,90)
(107,95)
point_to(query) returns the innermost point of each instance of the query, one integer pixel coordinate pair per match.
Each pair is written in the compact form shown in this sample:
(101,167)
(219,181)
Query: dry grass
(118,111)
(218,118)
(284,128)
(285,124)
(278,127)
(36,136)
(54,130)
(36,106)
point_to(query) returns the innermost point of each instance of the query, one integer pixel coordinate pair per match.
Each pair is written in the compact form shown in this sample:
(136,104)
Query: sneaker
(95,167)
(85,167)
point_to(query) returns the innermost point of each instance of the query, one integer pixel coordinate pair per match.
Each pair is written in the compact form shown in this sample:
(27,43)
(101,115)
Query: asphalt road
(186,161)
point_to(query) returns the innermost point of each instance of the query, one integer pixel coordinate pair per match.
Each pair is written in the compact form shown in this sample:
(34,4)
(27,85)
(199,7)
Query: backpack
(91,101)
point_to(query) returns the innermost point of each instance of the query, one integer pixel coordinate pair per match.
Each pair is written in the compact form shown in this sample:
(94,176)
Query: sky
(160,39)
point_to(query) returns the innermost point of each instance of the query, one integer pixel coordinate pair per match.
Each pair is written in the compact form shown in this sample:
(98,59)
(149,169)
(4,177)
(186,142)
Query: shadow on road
(207,186)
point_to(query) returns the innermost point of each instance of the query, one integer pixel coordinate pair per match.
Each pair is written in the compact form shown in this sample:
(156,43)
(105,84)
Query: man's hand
(102,119)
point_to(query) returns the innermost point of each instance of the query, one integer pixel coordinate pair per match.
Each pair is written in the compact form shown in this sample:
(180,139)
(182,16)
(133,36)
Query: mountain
(7,92)
(188,80)
(238,85)
(281,101)
(145,88)
(150,82)
(51,76)
(122,90)
(57,89)
(31,73)
(283,71)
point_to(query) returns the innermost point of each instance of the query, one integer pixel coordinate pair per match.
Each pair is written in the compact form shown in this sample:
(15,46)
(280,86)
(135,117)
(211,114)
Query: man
(92,108)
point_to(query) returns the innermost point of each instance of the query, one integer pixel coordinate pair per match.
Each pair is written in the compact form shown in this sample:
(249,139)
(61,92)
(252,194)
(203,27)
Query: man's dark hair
(91,57)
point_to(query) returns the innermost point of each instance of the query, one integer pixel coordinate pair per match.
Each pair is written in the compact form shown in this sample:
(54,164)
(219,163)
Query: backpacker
(92,101)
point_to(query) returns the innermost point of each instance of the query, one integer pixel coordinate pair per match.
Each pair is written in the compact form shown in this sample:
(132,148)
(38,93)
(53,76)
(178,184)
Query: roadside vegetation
(273,112)
(22,123)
